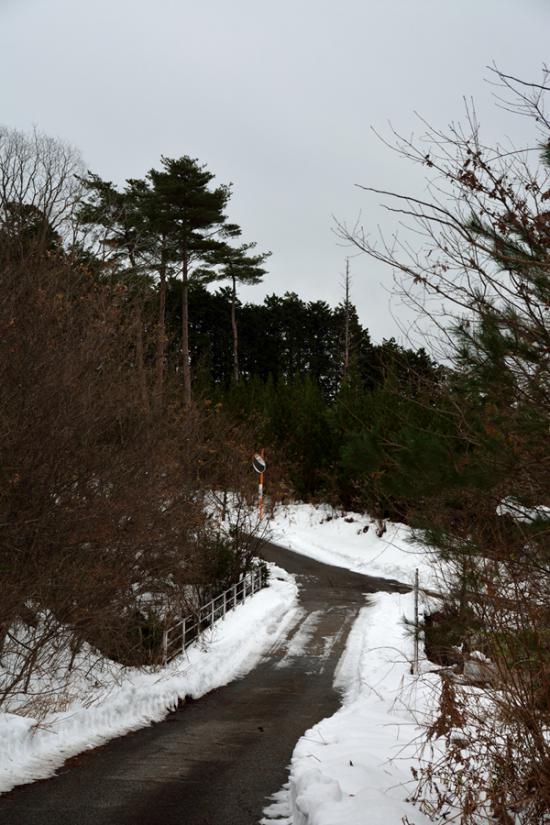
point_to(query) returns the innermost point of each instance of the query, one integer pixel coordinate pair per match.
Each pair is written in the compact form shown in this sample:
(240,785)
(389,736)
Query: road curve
(217,760)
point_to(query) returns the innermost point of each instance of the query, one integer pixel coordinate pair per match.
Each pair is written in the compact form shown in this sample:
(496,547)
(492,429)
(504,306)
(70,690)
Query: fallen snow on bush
(349,540)
(521,513)
(127,699)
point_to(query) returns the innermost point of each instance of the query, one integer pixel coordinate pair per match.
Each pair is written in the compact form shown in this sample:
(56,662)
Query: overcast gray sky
(277,97)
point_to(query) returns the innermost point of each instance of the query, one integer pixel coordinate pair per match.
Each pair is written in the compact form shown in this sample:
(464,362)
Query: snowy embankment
(349,540)
(127,699)
(354,768)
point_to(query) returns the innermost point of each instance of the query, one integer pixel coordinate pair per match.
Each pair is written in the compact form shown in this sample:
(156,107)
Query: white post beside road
(416,623)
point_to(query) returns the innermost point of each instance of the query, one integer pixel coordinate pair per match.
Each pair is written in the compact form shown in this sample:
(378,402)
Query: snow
(127,699)
(299,641)
(349,540)
(521,513)
(354,768)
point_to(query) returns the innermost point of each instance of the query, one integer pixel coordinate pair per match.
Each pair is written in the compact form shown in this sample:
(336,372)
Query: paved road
(217,760)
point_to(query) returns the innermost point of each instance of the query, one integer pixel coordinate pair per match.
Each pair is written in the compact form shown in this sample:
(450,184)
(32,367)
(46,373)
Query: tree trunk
(346,321)
(186,366)
(235,332)
(140,361)
(161,341)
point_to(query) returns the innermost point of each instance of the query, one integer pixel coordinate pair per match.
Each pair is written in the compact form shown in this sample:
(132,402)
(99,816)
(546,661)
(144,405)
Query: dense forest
(293,387)
(135,382)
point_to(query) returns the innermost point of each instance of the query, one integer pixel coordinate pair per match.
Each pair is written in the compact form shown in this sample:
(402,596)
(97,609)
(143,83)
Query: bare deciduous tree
(477,264)
(39,173)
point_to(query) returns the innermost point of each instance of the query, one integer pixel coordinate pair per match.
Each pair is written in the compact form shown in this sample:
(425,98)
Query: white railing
(177,638)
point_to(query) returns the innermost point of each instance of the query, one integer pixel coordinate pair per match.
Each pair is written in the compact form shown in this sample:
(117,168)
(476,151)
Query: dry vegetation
(104,530)
(479,270)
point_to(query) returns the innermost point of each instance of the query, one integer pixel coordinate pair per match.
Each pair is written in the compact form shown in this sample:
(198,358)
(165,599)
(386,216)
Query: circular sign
(258,463)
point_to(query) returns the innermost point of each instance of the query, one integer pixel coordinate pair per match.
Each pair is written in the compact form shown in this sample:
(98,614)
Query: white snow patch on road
(297,645)
(328,644)
(33,749)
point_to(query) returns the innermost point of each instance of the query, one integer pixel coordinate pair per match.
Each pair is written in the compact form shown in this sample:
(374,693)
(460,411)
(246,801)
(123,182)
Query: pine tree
(196,227)
(129,240)
(240,267)
(114,219)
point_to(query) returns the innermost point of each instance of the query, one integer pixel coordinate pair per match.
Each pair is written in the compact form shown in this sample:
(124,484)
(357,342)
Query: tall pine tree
(196,225)
(240,267)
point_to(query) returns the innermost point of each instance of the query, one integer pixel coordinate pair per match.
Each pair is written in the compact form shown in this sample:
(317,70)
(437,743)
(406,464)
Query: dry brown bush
(103,528)
(479,271)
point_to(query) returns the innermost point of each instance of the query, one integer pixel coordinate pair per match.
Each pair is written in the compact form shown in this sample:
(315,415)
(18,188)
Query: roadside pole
(261,490)
(258,462)
(416,623)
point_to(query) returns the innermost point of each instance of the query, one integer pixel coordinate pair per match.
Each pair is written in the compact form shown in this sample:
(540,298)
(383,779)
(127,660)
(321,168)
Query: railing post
(254,581)
(416,623)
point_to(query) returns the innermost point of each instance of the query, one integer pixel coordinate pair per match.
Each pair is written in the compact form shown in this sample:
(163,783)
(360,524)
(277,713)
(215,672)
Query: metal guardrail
(183,633)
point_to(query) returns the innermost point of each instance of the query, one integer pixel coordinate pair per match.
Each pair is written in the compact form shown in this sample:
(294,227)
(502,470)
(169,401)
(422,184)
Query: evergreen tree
(131,250)
(117,232)
(196,225)
(240,267)
(26,231)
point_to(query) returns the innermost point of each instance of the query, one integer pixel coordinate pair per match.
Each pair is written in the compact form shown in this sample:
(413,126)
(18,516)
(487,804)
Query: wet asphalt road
(215,761)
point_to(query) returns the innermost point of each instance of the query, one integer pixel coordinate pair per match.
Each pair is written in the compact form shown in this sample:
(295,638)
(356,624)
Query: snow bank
(133,699)
(350,541)
(354,768)
(521,513)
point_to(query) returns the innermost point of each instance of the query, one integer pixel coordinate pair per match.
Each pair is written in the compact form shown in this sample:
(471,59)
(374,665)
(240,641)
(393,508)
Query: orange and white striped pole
(261,487)
(258,462)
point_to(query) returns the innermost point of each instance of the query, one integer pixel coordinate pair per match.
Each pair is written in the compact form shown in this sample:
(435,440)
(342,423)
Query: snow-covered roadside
(354,768)
(34,750)
(349,540)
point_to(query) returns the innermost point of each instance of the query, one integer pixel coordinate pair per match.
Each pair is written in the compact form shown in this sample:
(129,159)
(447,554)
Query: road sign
(259,463)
